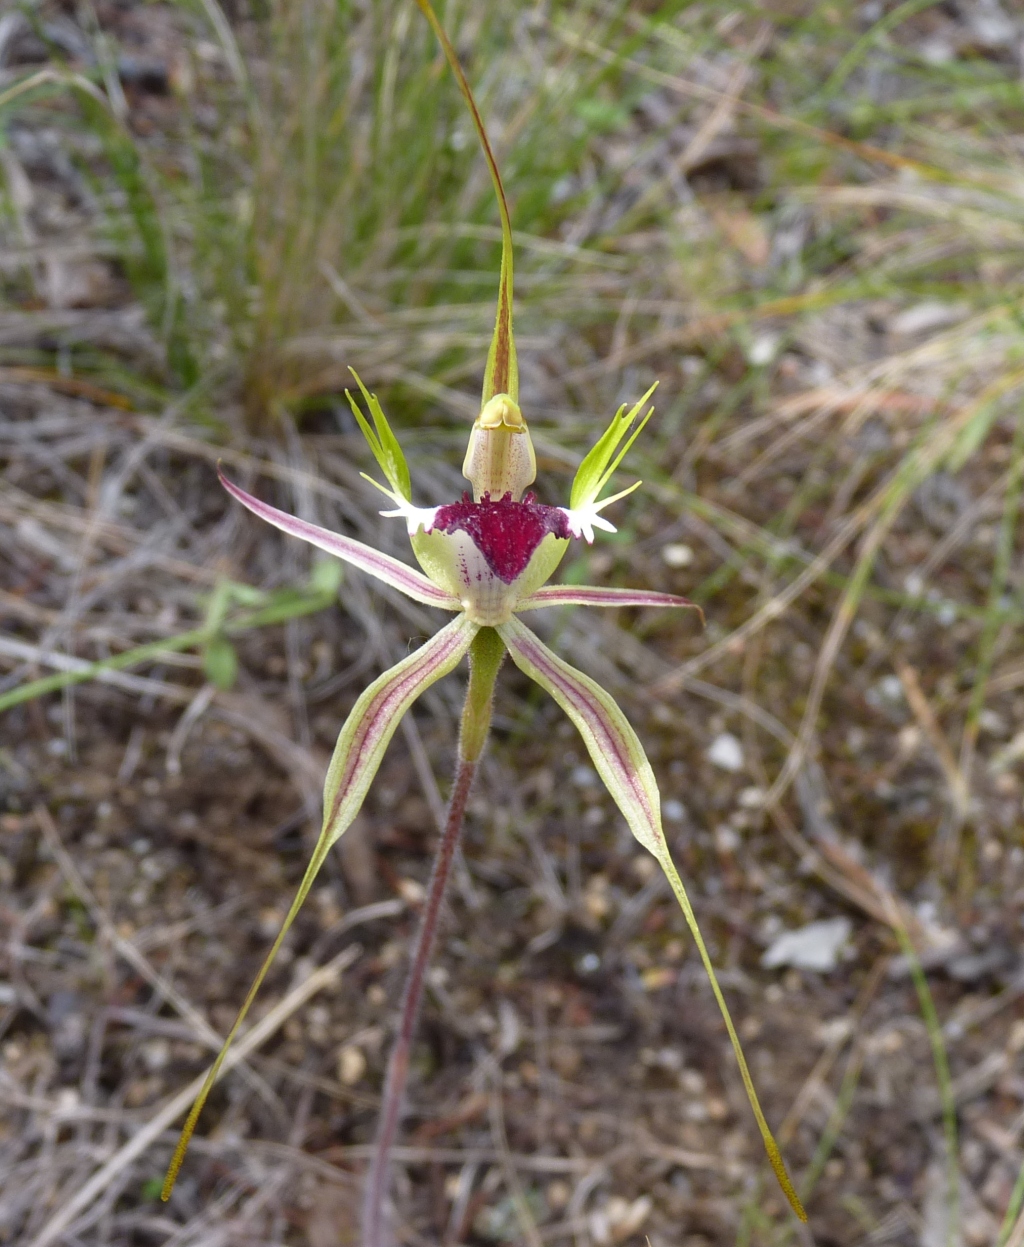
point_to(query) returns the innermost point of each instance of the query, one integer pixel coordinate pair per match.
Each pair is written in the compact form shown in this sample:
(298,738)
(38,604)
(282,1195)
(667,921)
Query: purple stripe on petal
(613,745)
(376,715)
(622,764)
(596,595)
(394,573)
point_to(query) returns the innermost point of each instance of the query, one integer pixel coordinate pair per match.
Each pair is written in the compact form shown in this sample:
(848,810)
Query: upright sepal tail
(501,376)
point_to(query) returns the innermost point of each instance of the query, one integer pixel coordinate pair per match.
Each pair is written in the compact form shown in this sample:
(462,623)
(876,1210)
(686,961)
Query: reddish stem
(375,1196)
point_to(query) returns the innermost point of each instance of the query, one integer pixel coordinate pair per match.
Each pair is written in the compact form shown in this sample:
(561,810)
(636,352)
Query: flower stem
(485,659)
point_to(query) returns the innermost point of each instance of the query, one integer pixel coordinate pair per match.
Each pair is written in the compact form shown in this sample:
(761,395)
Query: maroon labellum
(505,532)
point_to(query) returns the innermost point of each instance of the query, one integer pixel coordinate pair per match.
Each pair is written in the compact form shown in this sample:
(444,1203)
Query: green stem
(485,658)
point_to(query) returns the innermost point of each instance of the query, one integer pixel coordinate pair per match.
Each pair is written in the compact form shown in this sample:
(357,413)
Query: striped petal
(596,595)
(393,572)
(357,756)
(622,764)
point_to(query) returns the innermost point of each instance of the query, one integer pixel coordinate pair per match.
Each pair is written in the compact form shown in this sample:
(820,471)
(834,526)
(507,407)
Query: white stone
(351,1065)
(763,349)
(928,315)
(726,752)
(814,947)
(675,554)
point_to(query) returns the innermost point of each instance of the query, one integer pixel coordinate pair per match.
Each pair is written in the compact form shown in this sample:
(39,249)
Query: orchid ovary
(487,559)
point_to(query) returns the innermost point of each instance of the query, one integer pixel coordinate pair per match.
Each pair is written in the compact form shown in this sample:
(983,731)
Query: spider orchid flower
(486,558)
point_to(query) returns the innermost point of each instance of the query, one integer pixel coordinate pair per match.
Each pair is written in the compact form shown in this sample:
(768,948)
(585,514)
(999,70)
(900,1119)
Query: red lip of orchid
(505,532)
(491,555)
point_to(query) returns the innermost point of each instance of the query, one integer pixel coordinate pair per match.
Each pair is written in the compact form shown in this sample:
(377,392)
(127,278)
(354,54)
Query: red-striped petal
(597,595)
(394,573)
(357,756)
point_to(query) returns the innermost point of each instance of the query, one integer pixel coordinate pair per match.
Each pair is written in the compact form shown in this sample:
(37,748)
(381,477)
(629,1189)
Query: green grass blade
(289,605)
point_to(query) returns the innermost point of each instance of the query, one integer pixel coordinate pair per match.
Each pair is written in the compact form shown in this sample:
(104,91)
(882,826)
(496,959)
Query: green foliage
(324,203)
(321,214)
(310,203)
(151,1189)
(213,638)
(326,577)
(220,662)
(601,116)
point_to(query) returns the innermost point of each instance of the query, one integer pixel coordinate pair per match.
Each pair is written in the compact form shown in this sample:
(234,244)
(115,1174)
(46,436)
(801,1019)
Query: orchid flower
(486,559)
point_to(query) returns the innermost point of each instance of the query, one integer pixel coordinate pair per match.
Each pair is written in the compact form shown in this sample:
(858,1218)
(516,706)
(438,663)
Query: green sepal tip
(601,461)
(382,441)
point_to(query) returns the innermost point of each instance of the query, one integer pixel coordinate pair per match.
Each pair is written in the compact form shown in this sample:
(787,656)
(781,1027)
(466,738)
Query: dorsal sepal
(501,375)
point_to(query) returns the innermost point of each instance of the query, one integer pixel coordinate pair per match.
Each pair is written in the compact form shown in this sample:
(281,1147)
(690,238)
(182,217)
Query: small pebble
(351,1065)
(726,752)
(677,555)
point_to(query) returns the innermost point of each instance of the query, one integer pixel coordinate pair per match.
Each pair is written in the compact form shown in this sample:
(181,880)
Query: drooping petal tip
(619,759)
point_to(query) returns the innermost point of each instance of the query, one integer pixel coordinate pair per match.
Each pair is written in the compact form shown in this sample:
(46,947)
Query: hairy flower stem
(485,659)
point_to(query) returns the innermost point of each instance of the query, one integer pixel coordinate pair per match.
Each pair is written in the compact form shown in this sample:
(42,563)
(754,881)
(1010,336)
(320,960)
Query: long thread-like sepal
(501,375)
(619,759)
(357,756)
(770,1146)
